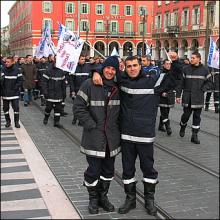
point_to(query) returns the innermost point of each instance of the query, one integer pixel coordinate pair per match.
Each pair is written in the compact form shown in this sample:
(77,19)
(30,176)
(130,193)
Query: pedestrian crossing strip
(20,196)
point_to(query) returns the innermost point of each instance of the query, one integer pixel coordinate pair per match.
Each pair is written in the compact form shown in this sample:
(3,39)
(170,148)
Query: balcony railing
(173,29)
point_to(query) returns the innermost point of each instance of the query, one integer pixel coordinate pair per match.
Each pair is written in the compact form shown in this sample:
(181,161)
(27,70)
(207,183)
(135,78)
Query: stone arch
(113,44)
(174,46)
(100,46)
(194,45)
(128,48)
(139,48)
(166,45)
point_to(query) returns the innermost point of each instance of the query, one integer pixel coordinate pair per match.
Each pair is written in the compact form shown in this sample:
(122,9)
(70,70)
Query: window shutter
(198,17)
(88,5)
(187,17)
(155,22)
(132,10)
(103,7)
(117,9)
(164,21)
(182,18)
(193,17)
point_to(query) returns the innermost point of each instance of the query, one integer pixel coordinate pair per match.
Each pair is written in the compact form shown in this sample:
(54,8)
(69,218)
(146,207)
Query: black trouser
(187,111)
(14,104)
(146,155)
(215,96)
(99,167)
(53,105)
(164,111)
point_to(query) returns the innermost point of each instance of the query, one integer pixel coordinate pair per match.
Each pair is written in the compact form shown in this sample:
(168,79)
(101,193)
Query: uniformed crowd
(116,103)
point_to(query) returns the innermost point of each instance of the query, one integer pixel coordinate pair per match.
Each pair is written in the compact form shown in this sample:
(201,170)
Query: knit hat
(111,61)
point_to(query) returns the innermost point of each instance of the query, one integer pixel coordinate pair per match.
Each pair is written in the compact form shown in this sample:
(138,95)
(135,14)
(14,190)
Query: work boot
(16,120)
(149,191)
(206,106)
(46,117)
(103,199)
(182,129)
(130,201)
(8,120)
(216,108)
(93,199)
(57,122)
(168,128)
(161,125)
(194,137)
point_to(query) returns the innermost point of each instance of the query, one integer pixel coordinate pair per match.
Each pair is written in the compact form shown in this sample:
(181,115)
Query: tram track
(162,214)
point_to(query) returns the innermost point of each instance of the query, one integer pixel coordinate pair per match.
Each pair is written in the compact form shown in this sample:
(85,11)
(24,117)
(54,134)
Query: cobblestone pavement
(184,191)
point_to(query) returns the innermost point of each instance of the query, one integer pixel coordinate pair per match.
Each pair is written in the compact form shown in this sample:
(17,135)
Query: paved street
(184,191)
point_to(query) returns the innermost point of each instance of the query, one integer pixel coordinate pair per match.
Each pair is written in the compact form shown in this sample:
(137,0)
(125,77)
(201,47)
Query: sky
(5,7)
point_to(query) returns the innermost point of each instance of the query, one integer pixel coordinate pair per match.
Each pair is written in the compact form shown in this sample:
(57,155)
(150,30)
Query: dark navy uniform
(54,90)
(11,81)
(196,80)
(215,91)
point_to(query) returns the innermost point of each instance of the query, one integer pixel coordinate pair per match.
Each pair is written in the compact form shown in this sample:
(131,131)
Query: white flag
(45,46)
(68,50)
(148,50)
(168,57)
(213,56)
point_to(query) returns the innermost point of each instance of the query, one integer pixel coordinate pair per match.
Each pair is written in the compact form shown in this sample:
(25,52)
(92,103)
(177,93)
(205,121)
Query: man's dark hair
(10,58)
(197,54)
(164,61)
(28,55)
(131,58)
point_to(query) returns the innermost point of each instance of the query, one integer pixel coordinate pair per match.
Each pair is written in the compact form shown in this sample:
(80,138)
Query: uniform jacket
(53,84)
(29,72)
(195,81)
(81,74)
(11,81)
(98,113)
(41,69)
(139,104)
(170,83)
(215,78)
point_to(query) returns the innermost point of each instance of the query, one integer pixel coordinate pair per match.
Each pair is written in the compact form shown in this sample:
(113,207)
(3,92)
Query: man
(29,72)
(11,81)
(139,103)
(147,65)
(82,73)
(195,81)
(54,91)
(167,99)
(215,74)
(97,108)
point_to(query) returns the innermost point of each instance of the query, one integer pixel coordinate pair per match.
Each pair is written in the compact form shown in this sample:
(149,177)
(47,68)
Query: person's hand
(178,100)
(73,94)
(97,79)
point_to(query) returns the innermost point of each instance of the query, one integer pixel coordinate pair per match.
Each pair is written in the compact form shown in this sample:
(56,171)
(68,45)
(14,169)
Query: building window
(175,17)
(185,17)
(195,16)
(114,27)
(159,3)
(114,9)
(128,27)
(47,6)
(99,9)
(70,24)
(158,21)
(167,2)
(84,25)
(128,10)
(47,21)
(69,7)
(99,26)
(142,10)
(166,20)
(85,8)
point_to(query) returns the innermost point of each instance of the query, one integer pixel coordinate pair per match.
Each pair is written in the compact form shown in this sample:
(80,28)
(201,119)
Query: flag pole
(95,50)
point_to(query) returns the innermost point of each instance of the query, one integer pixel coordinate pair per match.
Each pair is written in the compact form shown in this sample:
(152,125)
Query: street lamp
(144,19)
(107,34)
